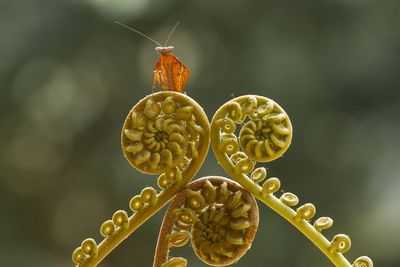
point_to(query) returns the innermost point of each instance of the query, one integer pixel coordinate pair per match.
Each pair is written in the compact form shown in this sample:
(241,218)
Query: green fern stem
(264,137)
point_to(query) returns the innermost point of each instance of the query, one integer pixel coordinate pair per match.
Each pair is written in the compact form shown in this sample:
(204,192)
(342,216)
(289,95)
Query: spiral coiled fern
(168,134)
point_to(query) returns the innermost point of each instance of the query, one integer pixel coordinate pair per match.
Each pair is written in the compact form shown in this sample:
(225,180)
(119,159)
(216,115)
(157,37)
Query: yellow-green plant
(168,134)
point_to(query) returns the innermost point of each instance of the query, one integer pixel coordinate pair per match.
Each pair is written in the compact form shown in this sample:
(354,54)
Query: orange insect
(169,72)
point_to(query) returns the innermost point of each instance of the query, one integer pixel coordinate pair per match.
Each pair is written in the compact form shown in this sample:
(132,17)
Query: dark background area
(69,76)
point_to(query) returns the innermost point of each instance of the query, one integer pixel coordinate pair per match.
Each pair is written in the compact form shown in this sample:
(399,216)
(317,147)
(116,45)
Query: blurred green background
(69,76)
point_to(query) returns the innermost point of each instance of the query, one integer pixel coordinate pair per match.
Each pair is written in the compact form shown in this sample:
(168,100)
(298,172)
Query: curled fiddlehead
(265,135)
(166,133)
(217,214)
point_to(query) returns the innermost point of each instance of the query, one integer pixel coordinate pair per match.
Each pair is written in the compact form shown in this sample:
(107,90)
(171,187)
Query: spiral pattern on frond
(222,218)
(268,133)
(159,132)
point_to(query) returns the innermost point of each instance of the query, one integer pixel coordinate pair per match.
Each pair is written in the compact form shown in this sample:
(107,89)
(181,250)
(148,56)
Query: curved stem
(269,199)
(286,212)
(134,222)
(162,249)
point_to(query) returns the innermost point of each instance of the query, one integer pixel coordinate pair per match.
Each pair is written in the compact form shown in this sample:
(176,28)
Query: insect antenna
(142,34)
(170,34)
